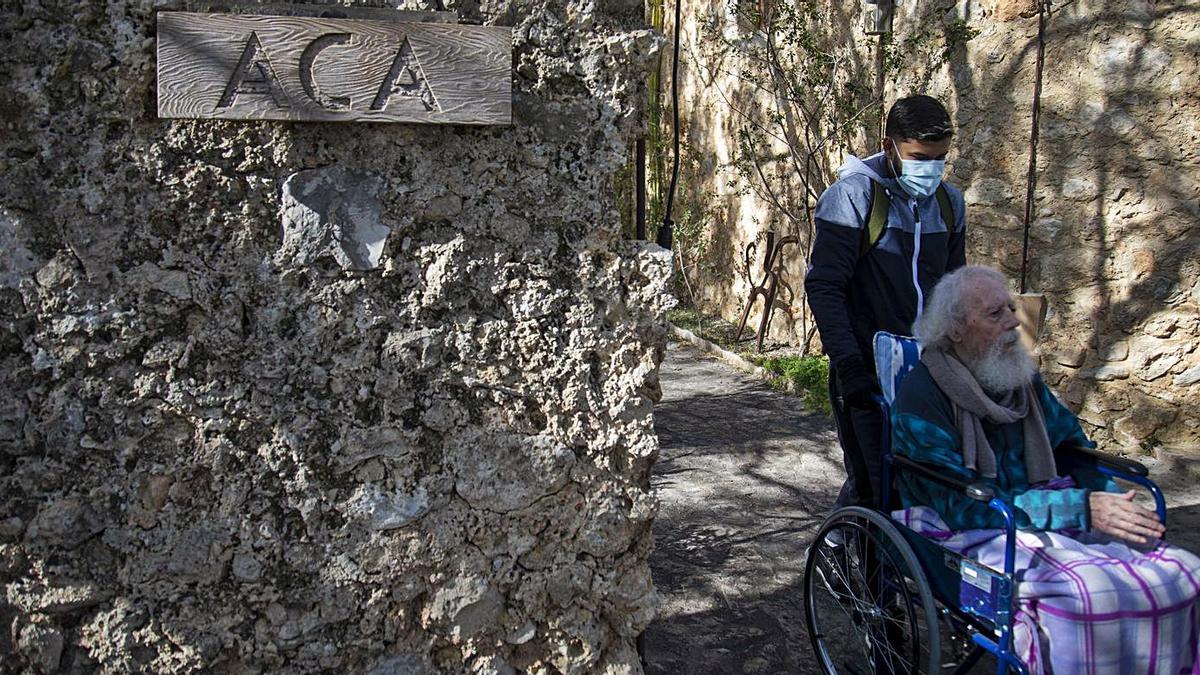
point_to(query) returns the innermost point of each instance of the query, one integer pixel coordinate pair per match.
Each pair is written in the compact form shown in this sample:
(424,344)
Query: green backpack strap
(876,219)
(878,216)
(943,199)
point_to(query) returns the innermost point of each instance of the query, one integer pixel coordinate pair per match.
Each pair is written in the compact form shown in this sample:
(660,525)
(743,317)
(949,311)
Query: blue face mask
(921,178)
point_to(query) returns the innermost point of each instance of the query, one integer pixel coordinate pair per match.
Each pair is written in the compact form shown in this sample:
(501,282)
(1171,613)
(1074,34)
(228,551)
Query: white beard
(1005,366)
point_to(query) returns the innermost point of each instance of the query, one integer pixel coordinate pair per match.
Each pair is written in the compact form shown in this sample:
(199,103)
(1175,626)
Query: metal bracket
(878,16)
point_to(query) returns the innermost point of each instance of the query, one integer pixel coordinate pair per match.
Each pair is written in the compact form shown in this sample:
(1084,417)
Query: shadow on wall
(222,463)
(1114,240)
(709,249)
(774,144)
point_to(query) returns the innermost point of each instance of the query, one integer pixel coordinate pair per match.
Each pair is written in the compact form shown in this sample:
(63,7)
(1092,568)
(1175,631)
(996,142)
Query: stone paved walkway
(745,478)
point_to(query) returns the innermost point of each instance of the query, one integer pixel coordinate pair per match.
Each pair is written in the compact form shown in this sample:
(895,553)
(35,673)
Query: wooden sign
(248,67)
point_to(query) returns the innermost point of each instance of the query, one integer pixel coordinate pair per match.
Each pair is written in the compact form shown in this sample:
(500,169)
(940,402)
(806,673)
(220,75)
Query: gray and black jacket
(854,293)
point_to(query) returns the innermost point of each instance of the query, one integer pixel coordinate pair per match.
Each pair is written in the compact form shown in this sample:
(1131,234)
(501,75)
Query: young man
(886,232)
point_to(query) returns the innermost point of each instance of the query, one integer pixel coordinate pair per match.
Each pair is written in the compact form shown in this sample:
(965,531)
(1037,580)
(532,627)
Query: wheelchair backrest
(895,357)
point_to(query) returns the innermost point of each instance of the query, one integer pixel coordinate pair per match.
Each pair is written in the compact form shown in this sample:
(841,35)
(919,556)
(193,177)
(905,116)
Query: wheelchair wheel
(868,605)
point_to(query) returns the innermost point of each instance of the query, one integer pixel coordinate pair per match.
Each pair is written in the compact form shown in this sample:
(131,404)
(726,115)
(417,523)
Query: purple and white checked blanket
(1101,606)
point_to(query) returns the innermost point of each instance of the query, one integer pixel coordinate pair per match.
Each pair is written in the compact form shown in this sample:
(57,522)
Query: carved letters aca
(254,76)
(300,68)
(306,71)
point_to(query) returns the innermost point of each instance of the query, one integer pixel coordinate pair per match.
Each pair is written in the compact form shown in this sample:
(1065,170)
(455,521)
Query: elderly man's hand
(1116,515)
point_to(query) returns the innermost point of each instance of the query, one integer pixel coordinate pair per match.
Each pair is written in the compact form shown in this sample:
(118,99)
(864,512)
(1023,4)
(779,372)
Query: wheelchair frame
(998,607)
(985,603)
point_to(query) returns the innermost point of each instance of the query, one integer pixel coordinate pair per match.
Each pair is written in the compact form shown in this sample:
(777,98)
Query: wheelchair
(881,598)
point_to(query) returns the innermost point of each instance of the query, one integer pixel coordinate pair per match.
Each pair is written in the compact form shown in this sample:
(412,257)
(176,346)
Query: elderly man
(1098,590)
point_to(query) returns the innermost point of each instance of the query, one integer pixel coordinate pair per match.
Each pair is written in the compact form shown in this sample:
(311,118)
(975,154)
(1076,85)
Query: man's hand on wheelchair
(860,393)
(1116,515)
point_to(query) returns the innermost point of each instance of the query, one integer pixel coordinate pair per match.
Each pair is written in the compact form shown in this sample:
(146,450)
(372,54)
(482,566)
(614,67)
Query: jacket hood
(873,168)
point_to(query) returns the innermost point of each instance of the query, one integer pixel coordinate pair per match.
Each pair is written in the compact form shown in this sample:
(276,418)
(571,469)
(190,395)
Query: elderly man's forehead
(986,291)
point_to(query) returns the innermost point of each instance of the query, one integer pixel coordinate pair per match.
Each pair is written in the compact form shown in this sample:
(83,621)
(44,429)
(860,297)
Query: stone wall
(313,397)
(1114,242)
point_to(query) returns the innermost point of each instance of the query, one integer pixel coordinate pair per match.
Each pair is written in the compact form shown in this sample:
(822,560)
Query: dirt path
(745,478)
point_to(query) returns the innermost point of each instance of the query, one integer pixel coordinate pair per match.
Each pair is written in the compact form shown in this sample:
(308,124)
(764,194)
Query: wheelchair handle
(980,492)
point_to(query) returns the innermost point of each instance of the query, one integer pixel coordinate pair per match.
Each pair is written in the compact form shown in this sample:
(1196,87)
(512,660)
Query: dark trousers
(858,431)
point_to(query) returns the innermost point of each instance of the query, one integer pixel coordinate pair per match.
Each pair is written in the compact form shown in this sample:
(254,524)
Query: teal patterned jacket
(923,429)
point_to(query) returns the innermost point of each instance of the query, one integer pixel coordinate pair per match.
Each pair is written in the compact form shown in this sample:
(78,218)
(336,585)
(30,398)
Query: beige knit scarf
(972,406)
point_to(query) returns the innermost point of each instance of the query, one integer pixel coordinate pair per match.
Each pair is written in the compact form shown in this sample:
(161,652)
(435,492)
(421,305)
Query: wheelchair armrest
(980,492)
(1129,466)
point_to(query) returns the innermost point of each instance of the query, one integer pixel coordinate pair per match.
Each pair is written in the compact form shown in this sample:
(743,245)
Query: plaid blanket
(1087,604)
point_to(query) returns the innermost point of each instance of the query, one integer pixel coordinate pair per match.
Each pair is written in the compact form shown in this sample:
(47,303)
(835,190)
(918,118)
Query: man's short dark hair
(919,118)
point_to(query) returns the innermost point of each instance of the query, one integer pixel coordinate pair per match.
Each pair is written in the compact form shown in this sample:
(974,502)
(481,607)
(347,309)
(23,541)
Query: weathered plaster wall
(726,204)
(310,397)
(1115,243)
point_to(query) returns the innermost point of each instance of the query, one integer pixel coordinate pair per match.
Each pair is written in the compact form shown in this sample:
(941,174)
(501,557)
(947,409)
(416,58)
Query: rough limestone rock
(44,645)
(1188,377)
(297,397)
(332,212)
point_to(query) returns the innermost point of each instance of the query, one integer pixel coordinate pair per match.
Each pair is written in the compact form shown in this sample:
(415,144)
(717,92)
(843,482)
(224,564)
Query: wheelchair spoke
(842,598)
(895,659)
(861,565)
(835,576)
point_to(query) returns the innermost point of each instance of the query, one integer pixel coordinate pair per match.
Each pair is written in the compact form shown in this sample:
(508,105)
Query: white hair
(946,310)
(1005,365)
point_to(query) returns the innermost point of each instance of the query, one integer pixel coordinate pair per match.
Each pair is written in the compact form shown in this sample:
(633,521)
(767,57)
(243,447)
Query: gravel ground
(745,478)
